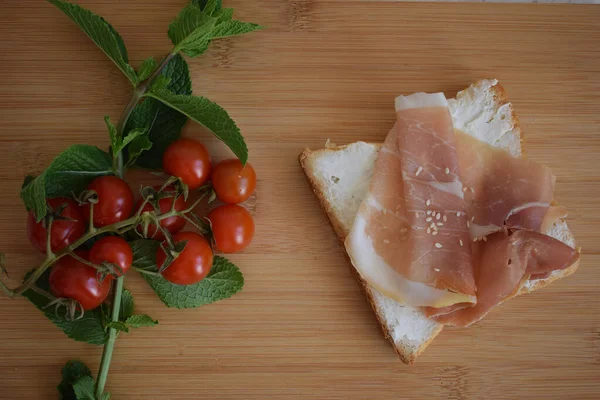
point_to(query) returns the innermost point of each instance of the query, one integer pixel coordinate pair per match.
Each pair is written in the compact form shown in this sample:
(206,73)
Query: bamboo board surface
(324,69)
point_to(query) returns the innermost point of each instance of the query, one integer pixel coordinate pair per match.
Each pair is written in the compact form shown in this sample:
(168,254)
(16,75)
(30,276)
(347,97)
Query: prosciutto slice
(451,223)
(505,263)
(502,190)
(410,239)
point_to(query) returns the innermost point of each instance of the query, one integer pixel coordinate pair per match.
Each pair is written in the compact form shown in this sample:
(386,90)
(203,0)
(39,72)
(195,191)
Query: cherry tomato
(114,250)
(172,224)
(232,227)
(192,264)
(188,160)
(115,201)
(75,280)
(64,232)
(233,183)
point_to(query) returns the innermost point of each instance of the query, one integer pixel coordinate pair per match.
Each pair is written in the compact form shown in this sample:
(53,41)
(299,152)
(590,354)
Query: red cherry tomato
(172,224)
(192,264)
(115,201)
(233,183)
(188,160)
(114,250)
(75,280)
(64,232)
(232,227)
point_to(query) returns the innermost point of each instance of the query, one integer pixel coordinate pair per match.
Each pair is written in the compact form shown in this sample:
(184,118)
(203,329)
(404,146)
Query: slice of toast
(340,175)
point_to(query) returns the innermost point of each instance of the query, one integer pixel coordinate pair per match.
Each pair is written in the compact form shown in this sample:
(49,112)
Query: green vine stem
(110,343)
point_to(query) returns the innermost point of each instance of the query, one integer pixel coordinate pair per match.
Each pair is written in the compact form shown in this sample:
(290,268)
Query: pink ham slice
(410,238)
(502,190)
(506,263)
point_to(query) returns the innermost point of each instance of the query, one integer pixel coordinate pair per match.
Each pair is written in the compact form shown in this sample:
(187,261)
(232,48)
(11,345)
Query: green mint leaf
(160,83)
(88,329)
(127,306)
(208,114)
(206,5)
(144,254)
(164,124)
(106,396)
(115,140)
(84,388)
(223,281)
(233,28)
(101,33)
(27,180)
(140,321)
(118,325)
(224,14)
(147,68)
(132,135)
(71,373)
(209,6)
(190,32)
(68,173)
(137,147)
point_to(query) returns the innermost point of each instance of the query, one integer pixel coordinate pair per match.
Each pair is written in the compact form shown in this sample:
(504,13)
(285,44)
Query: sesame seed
(438,245)
(445,218)
(468,224)
(484,239)
(438,216)
(465,189)
(428,230)
(432,226)
(386,241)
(428,212)
(428,219)
(440,224)
(436,269)
(458,214)
(419,171)
(474,239)
(435,233)
(461,242)
(472,190)
(472,219)
(428,202)
(447,170)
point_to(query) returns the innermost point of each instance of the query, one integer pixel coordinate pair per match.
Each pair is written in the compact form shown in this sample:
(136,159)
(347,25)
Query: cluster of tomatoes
(76,276)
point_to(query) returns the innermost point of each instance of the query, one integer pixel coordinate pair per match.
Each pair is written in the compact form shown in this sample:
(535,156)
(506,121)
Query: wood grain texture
(323,69)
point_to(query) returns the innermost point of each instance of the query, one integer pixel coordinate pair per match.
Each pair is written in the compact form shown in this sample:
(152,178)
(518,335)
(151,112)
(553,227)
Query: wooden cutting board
(322,69)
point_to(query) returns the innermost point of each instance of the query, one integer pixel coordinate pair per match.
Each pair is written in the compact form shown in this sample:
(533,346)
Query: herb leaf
(163,123)
(190,32)
(101,33)
(148,66)
(71,373)
(223,281)
(207,5)
(84,388)
(140,321)
(127,306)
(233,28)
(208,114)
(118,325)
(68,173)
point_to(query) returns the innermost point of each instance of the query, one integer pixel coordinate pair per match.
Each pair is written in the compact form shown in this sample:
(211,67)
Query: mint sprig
(101,33)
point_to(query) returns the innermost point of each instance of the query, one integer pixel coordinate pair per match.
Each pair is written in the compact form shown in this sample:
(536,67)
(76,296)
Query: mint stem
(110,344)
(138,93)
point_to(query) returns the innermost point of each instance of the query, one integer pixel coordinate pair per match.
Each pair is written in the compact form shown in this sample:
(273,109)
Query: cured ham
(506,263)
(410,239)
(502,190)
(451,223)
